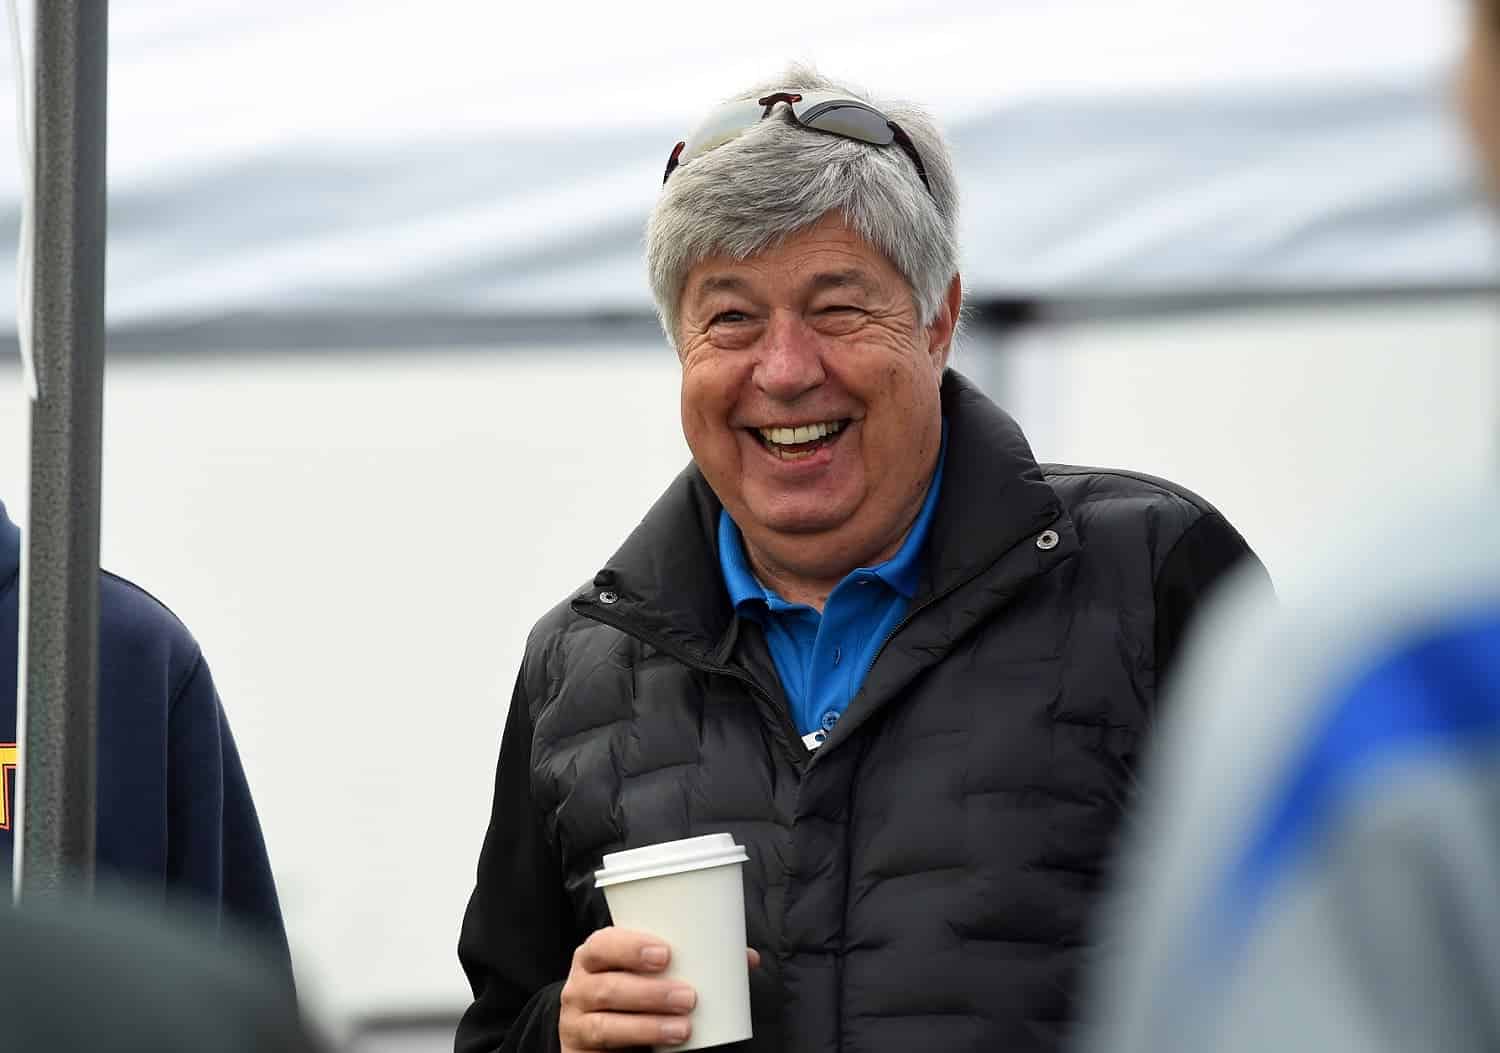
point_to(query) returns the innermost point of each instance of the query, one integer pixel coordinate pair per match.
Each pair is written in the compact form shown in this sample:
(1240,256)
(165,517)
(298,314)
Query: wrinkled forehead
(733,280)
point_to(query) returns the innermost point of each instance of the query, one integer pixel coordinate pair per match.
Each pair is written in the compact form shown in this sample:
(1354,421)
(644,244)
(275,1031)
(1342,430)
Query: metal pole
(60,575)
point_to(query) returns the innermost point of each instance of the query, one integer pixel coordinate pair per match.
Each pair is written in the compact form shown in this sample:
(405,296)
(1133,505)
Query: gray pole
(61,565)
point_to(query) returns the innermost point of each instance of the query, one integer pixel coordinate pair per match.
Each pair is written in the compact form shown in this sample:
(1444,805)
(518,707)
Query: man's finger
(754,956)
(586,1031)
(611,949)
(627,993)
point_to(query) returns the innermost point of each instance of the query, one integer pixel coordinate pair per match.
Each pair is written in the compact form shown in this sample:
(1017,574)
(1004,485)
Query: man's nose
(791,361)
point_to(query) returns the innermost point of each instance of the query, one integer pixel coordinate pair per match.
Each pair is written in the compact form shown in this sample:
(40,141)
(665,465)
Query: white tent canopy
(375,157)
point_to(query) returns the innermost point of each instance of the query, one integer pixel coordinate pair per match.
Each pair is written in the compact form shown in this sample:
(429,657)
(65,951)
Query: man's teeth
(805,433)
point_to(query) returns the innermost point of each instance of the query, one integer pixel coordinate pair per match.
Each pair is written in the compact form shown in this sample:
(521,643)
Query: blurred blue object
(1320,841)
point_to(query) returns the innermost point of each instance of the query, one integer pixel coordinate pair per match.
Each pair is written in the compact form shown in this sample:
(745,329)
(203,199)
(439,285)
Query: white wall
(1294,421)
(361,542)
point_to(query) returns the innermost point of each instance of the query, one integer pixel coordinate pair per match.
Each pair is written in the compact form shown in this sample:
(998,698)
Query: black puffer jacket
(924,881)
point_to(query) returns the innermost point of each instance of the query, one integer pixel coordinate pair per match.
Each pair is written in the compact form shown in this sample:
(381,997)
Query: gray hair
(777,179)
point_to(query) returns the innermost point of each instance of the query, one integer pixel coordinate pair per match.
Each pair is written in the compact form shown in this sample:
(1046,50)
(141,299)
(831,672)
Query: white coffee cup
(690,894)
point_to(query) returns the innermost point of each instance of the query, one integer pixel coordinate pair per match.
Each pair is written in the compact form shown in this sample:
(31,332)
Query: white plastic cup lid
(669,857)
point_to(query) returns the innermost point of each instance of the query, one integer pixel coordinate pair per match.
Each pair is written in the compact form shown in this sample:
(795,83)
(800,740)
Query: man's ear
(940,332)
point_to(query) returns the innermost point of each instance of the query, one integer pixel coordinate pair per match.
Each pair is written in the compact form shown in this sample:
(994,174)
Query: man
(864,632)
(1319,849)
(175,817)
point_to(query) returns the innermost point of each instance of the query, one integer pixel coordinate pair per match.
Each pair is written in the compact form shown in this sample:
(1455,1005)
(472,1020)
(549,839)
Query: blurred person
(175,816)
(106,977)
(906,666)
(1318,851)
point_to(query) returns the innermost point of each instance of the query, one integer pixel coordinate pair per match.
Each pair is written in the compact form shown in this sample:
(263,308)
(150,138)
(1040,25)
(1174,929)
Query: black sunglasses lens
(850,121)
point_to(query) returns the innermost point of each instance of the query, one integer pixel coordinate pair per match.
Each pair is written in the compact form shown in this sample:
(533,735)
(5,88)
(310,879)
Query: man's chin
(804,513)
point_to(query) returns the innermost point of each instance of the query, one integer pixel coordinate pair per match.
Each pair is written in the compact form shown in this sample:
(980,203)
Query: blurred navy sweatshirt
(175,818)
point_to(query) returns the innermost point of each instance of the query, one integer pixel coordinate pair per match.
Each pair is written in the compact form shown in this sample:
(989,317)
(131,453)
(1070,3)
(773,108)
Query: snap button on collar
(607,597)
(1047,540)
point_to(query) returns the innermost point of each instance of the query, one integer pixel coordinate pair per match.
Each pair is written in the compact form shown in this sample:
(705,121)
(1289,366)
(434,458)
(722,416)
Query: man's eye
(728,318)
(839,308)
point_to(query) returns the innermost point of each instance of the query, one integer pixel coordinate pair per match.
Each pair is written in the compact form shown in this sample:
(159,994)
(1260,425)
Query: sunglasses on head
(822,112)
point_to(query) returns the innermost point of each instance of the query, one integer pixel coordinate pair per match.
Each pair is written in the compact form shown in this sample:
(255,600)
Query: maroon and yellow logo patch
(8,757)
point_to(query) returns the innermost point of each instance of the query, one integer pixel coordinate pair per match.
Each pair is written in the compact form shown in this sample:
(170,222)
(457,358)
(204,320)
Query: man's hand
(615,996)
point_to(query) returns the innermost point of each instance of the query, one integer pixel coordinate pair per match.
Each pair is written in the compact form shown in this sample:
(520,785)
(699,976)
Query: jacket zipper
(791,742)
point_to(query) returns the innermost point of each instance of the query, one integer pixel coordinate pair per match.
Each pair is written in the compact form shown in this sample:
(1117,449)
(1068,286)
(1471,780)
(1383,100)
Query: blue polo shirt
(823,658)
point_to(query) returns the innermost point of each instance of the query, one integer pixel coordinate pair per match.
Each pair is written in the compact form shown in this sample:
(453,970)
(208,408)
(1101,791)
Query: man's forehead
(745,279)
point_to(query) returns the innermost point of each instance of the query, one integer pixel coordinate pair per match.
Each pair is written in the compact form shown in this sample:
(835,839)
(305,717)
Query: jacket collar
(10,550)
(665,582)
(993,495)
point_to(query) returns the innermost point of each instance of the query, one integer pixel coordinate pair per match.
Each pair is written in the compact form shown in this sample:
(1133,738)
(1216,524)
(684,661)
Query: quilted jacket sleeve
(519,932)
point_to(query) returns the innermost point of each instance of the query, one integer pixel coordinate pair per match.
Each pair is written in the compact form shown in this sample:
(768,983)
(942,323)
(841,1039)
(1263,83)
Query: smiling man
(864,632)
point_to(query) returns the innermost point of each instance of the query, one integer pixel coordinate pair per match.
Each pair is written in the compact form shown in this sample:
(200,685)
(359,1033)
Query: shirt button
(829,720)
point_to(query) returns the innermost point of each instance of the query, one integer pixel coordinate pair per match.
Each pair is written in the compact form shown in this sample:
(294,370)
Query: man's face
(1479,88)
(810,397)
